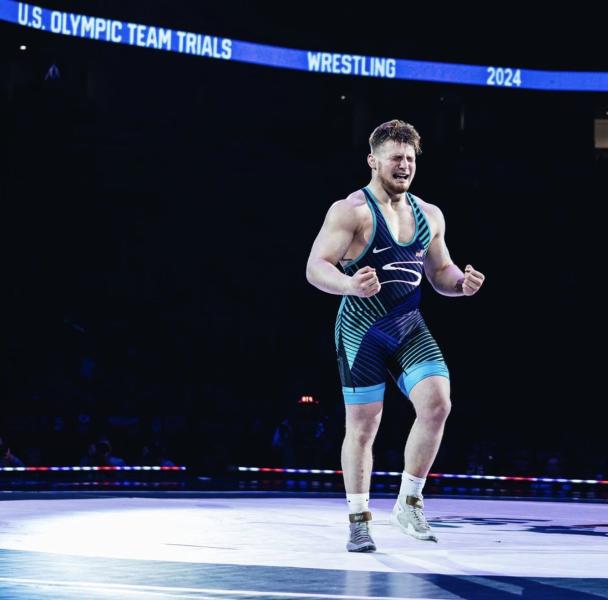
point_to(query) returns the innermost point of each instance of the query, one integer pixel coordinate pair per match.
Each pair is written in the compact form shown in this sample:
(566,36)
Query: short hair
(396,130)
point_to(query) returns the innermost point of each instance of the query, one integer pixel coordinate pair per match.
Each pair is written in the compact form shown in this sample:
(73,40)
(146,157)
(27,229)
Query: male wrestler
(385,238)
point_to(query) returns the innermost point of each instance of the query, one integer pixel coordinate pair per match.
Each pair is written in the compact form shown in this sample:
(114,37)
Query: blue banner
(217,47)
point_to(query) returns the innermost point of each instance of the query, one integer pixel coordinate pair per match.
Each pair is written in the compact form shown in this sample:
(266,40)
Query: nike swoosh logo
(375,250)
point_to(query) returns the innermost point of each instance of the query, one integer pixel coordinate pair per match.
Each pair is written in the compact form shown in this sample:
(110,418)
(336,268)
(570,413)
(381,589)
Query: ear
(371,161)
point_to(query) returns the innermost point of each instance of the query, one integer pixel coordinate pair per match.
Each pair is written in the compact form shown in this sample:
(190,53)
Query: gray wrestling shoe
(360,539)
(408,516)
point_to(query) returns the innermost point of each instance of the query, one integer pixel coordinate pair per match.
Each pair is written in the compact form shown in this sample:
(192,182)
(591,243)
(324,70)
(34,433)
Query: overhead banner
(313,61)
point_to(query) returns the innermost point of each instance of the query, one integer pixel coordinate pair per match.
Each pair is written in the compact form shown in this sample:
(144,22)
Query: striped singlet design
(386,332)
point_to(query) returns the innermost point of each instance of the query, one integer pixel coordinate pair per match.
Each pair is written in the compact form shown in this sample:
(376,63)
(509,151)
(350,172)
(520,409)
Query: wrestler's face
(394,166)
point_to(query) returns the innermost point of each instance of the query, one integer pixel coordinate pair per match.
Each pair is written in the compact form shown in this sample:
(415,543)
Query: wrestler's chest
(401,225)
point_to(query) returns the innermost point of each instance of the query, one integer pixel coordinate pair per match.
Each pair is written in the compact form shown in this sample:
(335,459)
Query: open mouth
(401,177)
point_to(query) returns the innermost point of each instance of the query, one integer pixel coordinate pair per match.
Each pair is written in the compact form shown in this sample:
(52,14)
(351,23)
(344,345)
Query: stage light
(93,468)
(243,469)
(307,400)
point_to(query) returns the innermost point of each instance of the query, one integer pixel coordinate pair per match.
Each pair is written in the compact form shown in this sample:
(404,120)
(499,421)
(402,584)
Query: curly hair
(396,130)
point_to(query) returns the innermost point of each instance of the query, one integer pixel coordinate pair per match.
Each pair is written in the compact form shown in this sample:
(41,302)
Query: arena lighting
(120,483)
(431,475)
(210,46)
(307,400)
(98,468)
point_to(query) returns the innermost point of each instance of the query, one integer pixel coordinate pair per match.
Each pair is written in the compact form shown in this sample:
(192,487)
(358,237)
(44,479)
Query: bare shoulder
(356,199)
(430,210)
(348,210)
(433,213)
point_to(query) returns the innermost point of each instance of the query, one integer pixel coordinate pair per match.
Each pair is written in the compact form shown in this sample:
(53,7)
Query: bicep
(438,255)
(335,237)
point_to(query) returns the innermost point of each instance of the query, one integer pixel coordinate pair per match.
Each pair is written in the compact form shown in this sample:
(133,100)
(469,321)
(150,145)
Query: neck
(383,195)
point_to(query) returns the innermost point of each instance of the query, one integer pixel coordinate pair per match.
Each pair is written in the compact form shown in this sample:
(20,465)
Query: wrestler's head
(394,146)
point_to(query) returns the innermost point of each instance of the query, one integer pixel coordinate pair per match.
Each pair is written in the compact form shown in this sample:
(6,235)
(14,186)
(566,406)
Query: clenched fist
(472,281)
(364,283)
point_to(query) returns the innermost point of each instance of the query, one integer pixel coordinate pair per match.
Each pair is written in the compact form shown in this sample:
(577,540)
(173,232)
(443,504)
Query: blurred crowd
(119,415)
(306,438)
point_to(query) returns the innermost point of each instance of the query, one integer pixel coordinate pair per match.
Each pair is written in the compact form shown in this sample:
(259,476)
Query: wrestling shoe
(408,516)
(360,539)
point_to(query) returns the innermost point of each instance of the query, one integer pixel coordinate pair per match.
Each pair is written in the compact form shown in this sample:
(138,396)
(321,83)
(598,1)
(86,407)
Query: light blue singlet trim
(415,199)
(409,200)
(419,372)
(364,395)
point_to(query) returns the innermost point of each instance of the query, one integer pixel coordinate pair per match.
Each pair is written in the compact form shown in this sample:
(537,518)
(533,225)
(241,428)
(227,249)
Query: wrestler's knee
(437,410)
(362,425)
(431,399)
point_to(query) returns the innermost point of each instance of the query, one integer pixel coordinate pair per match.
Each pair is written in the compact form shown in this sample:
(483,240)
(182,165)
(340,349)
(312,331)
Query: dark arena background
(172,413)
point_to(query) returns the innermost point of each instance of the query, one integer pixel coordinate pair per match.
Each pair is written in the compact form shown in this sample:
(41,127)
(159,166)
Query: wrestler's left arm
(445,277)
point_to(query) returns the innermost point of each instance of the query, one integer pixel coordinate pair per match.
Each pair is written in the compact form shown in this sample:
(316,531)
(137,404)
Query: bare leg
(362,422)
(431,400)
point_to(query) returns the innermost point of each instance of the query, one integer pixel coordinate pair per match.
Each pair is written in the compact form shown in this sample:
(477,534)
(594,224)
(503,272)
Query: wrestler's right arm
(329,247)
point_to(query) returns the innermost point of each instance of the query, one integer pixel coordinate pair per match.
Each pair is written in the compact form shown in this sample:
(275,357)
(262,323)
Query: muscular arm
(445,277)
(329,247)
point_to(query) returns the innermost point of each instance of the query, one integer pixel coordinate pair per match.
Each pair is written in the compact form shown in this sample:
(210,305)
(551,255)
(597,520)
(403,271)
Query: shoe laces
(418,516)
(359,533)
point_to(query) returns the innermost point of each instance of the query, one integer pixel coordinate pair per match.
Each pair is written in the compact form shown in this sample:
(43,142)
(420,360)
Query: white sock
(357,503)
(411,485)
